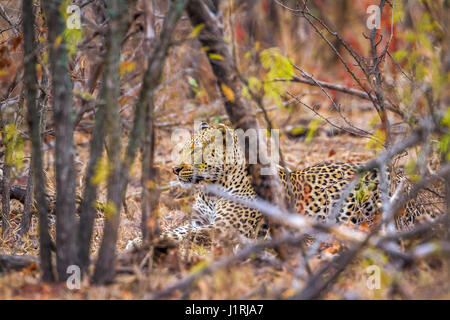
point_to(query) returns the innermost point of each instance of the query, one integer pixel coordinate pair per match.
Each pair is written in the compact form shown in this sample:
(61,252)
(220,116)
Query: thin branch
(186,282)
(342,88)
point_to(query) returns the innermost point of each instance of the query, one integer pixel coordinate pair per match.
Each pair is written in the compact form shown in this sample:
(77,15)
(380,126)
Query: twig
(225,262)
(349,130)
(335,105)
(341,88)
(4,15)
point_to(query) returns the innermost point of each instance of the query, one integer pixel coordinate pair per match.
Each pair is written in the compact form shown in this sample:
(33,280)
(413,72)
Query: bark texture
(63,118)
(30,84)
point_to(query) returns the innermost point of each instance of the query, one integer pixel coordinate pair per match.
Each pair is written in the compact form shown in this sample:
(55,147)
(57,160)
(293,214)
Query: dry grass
(178,106)
(249,279)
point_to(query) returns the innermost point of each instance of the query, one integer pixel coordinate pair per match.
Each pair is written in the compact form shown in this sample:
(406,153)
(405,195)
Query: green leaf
(72,37)
(193,82)
(101,171)
(254,84)
(377,142)
(13,143)
(410,170)
(444,145)
(312,129)
(109,209)
(297,130)
(196,30)
(215,56)
(245,92)
(276,66)
(446,118)
(85,95)
(199,267)
(399,55)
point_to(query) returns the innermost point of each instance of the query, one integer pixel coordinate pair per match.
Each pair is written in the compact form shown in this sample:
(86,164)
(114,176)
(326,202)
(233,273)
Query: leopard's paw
(133,244)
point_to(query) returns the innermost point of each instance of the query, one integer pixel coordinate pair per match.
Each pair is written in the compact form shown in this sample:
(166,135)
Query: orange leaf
(227,92)
(126,66)
(57,41)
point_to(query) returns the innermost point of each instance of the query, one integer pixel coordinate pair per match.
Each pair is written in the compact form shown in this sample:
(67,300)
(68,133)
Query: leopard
(205,159)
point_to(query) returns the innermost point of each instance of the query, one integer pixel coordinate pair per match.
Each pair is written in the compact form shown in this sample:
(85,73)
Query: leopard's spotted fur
(314,190)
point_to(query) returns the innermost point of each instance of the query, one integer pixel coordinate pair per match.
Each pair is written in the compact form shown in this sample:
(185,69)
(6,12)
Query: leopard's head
(208,155)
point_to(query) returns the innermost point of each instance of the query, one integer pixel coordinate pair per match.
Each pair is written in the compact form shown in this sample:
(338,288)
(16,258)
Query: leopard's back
(316,190)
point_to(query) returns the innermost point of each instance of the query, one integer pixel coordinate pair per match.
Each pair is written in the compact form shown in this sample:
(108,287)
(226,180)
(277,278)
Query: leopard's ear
(203,126)
(221,127)
(224,130)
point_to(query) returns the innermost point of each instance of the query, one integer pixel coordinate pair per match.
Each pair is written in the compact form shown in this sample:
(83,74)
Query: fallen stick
(16,191)
(13,262)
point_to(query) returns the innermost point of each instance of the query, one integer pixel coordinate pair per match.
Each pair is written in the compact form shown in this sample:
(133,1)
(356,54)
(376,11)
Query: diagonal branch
(344,89)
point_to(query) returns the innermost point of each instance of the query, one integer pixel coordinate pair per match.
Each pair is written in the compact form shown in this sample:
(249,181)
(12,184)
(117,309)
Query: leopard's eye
(201,166)
(204,126)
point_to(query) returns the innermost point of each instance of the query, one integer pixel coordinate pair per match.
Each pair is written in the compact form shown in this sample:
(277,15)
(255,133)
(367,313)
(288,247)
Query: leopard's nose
(176,170)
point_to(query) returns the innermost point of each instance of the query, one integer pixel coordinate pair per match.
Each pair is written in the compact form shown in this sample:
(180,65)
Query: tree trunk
(6,223)
(224,69)
(267,187)
(115,13)
(149,177)
(28,205)
(28,201)
(63,119)
(87,209)
(6,196)
(150,180)
(30,83)
(104,271)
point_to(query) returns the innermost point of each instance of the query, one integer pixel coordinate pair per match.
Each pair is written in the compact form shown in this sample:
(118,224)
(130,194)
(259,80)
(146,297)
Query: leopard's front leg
(197,234)
(230,220)
(202,235)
